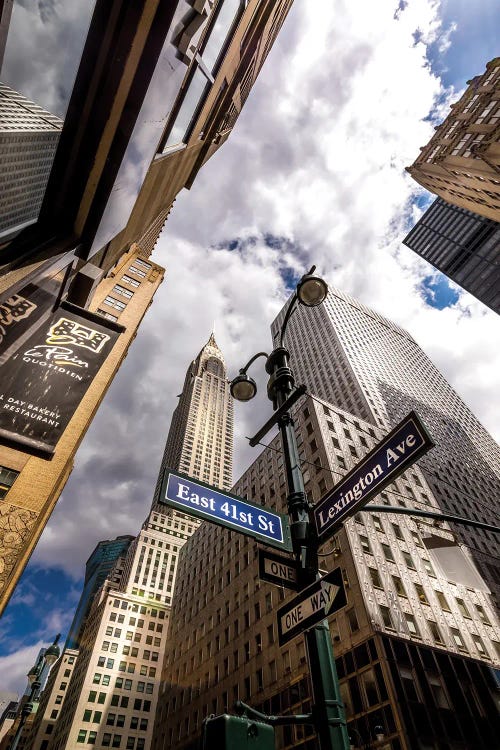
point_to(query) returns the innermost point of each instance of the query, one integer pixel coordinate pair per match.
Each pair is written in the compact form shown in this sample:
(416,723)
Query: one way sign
(312,605)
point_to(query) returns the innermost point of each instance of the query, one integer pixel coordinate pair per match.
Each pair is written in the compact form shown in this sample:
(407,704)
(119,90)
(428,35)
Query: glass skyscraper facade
(355,358)
(99,566)
(463,245)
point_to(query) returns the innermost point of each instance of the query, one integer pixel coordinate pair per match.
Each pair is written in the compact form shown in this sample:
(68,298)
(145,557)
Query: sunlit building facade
(34,470)
(121,630)
(366,364)
(461,161)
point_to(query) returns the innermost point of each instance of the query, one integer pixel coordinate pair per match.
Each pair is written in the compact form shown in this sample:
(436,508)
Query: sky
(313,173)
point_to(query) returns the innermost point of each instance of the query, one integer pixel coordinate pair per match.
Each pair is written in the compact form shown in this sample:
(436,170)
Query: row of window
(108,740)
(147,654)
(118,720)
(123,666)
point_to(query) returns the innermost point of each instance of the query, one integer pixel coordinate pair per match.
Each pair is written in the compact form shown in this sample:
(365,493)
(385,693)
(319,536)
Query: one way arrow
(329,592)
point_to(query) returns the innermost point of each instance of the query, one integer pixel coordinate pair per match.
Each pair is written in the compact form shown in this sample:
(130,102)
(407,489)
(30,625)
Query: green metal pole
(329,712)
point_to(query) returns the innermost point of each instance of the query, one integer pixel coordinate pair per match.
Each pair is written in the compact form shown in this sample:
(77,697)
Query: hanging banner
(42,384)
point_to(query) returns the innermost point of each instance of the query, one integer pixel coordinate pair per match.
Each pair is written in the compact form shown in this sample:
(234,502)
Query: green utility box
(236,733)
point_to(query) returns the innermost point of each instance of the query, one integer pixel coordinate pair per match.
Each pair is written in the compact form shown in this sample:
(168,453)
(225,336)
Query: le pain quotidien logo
(64,347)
(13,310)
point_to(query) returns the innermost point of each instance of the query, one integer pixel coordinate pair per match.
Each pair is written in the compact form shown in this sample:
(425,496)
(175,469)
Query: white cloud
(15,666)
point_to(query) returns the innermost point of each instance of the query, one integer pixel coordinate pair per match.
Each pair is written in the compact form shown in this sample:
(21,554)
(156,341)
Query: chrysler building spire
(200,439)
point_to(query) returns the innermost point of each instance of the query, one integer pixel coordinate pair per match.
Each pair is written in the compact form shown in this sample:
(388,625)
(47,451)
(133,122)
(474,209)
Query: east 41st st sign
(209,503)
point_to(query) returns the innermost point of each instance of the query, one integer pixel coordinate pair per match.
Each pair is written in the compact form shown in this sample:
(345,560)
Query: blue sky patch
(43,604)
(437,291)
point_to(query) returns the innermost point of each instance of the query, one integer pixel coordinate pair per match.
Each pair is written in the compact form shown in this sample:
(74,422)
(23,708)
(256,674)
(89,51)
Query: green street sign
(199,499)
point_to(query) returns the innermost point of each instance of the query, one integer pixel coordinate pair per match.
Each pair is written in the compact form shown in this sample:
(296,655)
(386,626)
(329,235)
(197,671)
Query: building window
(482,614)
(122,291)
(138,271)
(421,593)
(438,691)
(114,318)
(463,608)
(82,736)
(428,567)
(387,553)
(398,585)
(352,620)
(479,644)
(375,578)
(203,72)
(377,523)
(442,601)
(130,280)
(412,624)
(7,479)
(112,302)
(435,632)
(386,617)
(397,531)
(457,637)
(408,560)
(365,544)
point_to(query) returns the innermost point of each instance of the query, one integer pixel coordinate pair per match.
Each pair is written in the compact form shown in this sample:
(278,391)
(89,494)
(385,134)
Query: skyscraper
(112,697)
(200,439)
(414,644)
(460,162)
(158,91)
(48,406)
(463,245)
(28,140)
(99,566)
(355,358)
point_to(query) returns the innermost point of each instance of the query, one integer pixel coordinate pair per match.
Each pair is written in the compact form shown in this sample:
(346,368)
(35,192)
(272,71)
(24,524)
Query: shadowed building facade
(158,90)
(414,644)
(101,563)
(463,245)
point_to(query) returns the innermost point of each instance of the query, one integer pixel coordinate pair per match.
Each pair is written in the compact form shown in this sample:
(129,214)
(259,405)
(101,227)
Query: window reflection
(28,140)
(195,90)
(41,57)
(206,64)
(222,26)
(43,50)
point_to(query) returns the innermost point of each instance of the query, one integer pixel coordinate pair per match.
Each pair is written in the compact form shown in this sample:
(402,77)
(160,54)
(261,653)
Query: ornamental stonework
(16,525)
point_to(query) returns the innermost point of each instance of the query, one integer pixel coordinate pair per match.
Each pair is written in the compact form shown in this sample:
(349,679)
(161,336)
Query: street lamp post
(328,714)
(35,674)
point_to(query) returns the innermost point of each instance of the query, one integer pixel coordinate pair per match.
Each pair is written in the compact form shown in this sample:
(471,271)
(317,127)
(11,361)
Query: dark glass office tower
(463,245)
(99,565)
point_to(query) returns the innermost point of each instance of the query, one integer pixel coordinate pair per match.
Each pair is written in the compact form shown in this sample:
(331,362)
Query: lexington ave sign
(398,450)
(311,606)
(206,502)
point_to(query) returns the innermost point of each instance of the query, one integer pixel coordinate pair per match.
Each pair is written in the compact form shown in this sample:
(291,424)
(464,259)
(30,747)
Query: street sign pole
(329,712)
